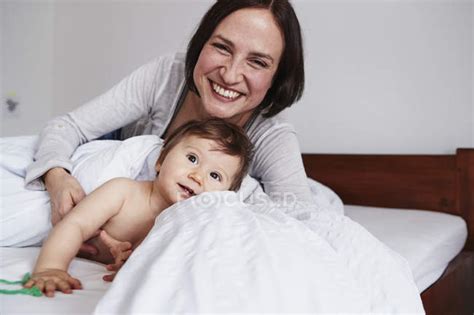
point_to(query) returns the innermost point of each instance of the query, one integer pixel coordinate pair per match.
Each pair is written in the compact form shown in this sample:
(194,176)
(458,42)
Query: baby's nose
(196,176)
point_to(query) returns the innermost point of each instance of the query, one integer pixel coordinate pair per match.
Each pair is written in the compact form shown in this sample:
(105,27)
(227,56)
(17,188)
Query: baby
(198,157)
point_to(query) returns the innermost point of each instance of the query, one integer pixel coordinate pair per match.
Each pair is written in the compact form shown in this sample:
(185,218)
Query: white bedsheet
(441,237)
(428,240)
(216,255)
(14,262)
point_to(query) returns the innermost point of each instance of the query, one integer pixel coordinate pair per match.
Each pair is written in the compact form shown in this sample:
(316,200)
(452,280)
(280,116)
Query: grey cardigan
(144,103)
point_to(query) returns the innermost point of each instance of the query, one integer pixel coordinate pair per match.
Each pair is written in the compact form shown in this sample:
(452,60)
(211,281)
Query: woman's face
(237,64)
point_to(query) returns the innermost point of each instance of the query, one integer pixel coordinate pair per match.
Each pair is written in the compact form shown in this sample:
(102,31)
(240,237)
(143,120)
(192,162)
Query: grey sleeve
(124,103)
(279,167)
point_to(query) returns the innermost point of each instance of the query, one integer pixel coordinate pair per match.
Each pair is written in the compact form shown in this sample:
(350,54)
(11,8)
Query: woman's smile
(224,94)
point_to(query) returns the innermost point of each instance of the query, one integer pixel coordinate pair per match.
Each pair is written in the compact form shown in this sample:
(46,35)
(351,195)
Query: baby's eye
(192,158)
(216,176)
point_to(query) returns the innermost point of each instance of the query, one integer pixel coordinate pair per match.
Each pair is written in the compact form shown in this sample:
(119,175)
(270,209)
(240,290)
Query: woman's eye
(192,158)
(221,47)
(260,63)
(216,176)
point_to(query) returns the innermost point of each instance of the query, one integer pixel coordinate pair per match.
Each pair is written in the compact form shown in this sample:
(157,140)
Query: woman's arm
(125,103)
(278,164)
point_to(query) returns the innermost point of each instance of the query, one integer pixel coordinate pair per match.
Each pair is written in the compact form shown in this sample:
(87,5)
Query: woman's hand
(64,190)
(51,280)
(120,250)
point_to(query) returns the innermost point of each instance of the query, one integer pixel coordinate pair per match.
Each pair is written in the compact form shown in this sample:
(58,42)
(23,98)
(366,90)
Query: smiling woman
(243,64)
(237,69)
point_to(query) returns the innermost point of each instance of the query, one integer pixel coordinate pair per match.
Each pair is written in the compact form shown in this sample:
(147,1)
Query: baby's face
(193,166)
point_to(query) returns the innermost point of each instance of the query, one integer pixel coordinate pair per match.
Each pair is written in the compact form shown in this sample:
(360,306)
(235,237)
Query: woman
(243,64)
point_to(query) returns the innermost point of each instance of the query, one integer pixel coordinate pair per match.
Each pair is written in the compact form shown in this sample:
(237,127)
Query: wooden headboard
(443,183)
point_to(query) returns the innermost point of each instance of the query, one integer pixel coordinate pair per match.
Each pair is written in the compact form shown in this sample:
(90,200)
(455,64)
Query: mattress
(427,240)
(15,261)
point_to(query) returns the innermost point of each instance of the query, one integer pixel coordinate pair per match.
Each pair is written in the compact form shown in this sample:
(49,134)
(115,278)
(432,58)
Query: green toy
(34,291)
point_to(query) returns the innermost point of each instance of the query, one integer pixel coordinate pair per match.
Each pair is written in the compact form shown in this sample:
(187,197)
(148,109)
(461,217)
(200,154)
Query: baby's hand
(51,280)
(120,250)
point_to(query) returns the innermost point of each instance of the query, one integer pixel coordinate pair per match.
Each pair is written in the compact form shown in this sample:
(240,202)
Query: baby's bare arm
(80,224)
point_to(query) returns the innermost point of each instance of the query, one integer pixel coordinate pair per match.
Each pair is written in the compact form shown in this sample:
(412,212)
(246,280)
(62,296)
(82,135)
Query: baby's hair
(230,139)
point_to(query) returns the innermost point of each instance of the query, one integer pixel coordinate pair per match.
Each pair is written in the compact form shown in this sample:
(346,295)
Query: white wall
(97,43)
(26,58)
(382,76)
(387,77)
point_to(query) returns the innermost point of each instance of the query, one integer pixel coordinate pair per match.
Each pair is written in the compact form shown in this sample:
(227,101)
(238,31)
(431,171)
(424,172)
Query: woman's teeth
(225,93)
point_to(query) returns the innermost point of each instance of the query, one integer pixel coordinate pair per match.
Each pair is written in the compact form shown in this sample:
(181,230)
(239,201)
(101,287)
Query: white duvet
(235,257)
(217,253)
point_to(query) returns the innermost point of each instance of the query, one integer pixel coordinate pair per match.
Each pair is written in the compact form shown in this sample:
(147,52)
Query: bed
(439,183)
(374,188)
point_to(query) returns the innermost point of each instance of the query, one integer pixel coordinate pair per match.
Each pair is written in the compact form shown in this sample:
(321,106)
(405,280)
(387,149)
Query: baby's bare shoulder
(122,184)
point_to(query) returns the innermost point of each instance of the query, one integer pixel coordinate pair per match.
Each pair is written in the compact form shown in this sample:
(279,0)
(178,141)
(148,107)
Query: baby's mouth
(187,190)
